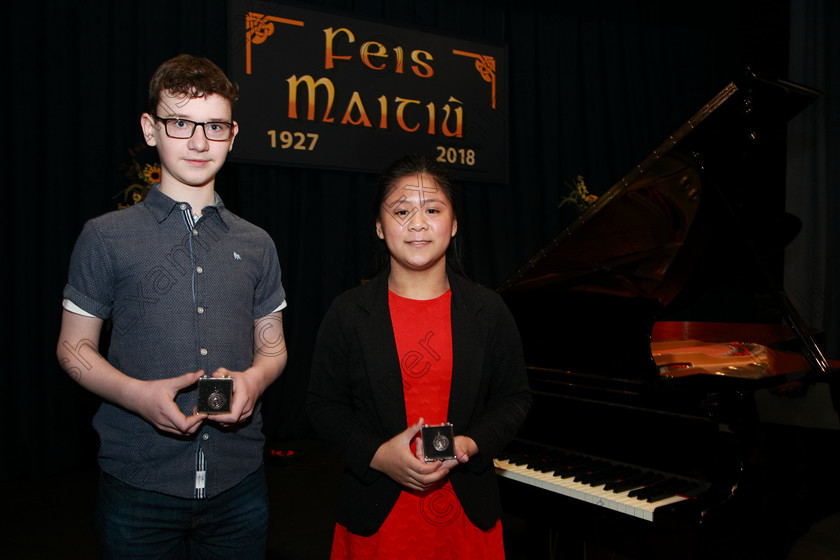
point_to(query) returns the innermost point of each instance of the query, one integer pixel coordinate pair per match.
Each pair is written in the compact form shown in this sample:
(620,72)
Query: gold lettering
(450,121)
(383,112)
(431,108)
(311,86)
(356,103)
(373,49)
(459,119)
(328,53)
(422,68)
(401,105)
(399,51)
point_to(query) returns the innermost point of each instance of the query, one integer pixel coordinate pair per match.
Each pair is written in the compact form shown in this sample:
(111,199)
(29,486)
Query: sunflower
(132,195)
(151,173)
(580,196)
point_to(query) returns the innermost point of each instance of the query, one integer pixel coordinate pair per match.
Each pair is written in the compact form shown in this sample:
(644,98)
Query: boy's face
(194,161)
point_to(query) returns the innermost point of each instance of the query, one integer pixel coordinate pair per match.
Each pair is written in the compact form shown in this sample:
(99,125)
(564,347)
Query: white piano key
(619,502)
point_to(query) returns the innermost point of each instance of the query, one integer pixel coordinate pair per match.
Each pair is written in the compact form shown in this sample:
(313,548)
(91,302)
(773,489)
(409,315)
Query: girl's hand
(395,459)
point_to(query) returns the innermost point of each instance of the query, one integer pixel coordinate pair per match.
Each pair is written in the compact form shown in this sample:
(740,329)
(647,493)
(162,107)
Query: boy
(192,290)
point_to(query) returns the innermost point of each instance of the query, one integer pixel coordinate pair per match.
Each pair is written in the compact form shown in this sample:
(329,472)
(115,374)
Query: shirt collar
(161,206)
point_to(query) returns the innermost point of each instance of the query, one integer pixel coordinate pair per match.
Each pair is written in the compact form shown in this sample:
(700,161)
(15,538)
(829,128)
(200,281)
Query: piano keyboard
(620,487)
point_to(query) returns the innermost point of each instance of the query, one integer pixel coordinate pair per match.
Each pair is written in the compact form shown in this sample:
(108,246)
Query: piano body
(643,432)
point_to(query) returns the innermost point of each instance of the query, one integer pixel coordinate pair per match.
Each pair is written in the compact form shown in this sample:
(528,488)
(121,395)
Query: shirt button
(200,309)
(195,232)
(203,351)
(183,206)
(205,437)
(199,269)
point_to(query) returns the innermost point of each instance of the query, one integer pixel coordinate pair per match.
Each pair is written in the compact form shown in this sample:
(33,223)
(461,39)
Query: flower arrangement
(141,176)
(580,196)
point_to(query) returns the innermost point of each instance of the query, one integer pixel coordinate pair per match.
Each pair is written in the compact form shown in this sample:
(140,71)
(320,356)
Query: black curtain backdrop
(595,86)
(812,261)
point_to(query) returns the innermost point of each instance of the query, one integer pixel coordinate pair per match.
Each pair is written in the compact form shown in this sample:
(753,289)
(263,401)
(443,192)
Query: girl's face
(417,223)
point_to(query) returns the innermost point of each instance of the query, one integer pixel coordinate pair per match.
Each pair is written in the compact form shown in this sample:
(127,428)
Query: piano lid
(627,242)
(588,300)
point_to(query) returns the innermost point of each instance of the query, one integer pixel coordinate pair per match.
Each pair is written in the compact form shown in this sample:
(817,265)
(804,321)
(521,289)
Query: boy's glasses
(218,131)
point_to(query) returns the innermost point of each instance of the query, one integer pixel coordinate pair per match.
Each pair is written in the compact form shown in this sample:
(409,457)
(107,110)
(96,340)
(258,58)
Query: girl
(417,345)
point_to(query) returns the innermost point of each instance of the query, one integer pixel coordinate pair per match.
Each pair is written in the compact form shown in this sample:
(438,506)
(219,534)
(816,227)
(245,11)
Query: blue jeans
(135,523)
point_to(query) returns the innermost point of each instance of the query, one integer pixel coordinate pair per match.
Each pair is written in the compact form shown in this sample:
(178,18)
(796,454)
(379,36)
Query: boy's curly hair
(191,76)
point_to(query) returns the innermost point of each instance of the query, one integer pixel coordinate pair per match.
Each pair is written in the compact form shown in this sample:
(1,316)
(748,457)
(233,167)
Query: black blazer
(355,399)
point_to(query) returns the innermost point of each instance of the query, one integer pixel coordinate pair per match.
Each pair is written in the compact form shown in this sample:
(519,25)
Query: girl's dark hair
(404,167)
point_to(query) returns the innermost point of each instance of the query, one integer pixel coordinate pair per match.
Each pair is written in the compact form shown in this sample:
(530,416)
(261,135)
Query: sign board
(328,91)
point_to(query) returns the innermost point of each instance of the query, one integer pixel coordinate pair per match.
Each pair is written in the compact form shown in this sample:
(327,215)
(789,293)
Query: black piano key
(627,479)
(668,488)
(680,487)
(541,465)
(620,478)
(588,463)
(653,498)
(578,465)
(647,492)
(642,479)
(596,471)
(570,458)
(665,489)
(590,468)
(650,480)
(555,465)
(619,472)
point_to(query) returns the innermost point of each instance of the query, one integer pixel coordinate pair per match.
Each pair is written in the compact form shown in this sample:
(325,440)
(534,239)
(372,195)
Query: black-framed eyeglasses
(218,131)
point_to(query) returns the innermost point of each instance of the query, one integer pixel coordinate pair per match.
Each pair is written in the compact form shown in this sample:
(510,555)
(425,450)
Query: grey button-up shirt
(183,296)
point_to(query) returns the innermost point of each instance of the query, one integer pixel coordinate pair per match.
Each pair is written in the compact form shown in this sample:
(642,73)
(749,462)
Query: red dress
(428,524)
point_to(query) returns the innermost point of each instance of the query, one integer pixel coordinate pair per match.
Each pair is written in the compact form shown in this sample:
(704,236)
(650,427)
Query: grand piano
(644,431)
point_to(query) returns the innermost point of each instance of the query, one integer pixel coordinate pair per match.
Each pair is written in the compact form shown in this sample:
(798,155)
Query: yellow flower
(580,196)
(151,173)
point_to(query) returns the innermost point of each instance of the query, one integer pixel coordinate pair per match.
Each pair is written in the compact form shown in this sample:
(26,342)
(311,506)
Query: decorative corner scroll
(486,66)
(258,28)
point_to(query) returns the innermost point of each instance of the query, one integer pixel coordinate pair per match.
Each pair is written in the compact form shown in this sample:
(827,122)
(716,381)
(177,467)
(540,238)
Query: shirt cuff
(73,308)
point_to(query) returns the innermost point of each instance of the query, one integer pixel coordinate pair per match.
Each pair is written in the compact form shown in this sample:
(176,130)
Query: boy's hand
(395,459)
(247,388)
(155,402)
(269,361)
